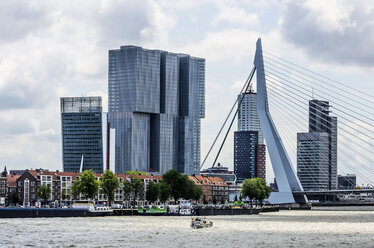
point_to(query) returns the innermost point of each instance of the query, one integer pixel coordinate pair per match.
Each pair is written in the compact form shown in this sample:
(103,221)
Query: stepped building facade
(156,101)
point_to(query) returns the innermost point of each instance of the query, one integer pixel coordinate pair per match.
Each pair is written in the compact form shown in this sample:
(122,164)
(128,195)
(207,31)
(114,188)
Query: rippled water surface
(283,229)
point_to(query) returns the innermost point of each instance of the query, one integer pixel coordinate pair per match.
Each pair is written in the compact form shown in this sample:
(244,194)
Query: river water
(283,229)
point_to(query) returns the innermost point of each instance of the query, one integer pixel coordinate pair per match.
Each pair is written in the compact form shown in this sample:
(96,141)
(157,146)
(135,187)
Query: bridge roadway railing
(333,192)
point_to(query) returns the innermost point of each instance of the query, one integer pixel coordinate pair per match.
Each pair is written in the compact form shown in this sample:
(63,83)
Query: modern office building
(85,134)
(156,101)
(245,143)
(313,160)
(321,121)
(249,162)
(347,182)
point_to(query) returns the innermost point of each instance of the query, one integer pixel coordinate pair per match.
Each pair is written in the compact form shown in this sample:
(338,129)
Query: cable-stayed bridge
(314,127)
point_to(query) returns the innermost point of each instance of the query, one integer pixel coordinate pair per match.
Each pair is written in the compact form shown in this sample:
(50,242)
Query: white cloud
(337,31)
(230,45)
(236,16)
(51,49)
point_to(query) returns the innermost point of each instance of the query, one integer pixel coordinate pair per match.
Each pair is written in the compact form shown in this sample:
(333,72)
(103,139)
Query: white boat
(94,210)
(185,211)
(199,222)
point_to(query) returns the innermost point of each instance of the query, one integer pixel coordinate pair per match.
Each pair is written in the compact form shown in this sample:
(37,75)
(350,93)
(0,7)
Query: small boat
(185,211)
(200,223)
(92,210)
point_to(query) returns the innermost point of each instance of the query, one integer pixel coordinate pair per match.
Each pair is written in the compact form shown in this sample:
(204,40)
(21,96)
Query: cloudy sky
(51,49)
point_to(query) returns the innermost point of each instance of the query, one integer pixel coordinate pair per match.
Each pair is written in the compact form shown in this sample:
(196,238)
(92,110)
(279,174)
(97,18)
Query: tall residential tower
(249,148)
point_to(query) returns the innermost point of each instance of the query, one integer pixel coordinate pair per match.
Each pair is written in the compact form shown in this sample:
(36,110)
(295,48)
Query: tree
(88,184)
(13,198)
(214,200)
(173,178)
(188,187)
(136,186)
(197,192)
(250,189)
(75,188)
(264,190)
(164,191)
(109,183)
(126,187)
(204,199)
(255,188)
(63,195)
(44,193)
(236,198)
(151,192)
(136,173)
(179,184)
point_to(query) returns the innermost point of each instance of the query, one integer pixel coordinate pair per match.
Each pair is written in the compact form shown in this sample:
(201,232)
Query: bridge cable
(224,123)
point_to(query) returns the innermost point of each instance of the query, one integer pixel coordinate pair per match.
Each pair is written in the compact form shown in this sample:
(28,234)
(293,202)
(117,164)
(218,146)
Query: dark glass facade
(321,121)
(347,182)
(313,160)
(82,133)
(245,146)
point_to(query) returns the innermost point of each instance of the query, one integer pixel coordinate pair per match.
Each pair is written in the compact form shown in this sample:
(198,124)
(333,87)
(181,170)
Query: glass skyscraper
(82,133)
(317,157)
(156,100)
(313,160)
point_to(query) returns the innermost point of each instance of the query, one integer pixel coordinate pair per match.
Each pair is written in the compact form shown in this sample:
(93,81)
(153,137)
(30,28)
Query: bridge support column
(287,180)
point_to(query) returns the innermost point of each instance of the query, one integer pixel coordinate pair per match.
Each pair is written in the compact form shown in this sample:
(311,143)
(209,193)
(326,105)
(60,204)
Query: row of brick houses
(213,188)
(27,183)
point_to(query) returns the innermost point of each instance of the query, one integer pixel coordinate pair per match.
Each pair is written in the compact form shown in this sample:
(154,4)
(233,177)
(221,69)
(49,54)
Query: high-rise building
(347,182)
(84,134)
(321,122)
(261,161)
(245,144)
(249,162)
(248,119)
(313,160)
(156,101)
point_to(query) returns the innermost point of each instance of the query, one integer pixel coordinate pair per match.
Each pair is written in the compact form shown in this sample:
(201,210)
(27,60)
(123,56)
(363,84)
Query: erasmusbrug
(323,126)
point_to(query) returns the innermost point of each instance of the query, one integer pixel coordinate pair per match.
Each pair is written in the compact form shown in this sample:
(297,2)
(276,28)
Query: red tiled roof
(68,174)
(12,180)
(208,180)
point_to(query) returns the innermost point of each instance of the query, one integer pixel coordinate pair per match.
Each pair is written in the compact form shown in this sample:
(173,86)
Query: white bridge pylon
(287,180)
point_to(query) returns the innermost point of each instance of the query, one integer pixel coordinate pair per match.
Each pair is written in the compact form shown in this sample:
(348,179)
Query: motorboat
(199,222)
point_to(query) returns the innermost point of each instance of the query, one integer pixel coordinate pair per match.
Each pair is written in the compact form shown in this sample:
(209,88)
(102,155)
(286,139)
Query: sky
(50,49)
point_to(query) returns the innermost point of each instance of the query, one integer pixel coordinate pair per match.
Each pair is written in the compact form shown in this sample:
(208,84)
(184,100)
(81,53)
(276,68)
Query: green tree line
(173,185)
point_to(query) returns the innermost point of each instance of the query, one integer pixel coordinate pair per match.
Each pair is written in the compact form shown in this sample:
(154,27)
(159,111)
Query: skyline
(56,50)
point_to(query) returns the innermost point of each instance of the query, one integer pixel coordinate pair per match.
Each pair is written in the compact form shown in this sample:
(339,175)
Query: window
(20,183)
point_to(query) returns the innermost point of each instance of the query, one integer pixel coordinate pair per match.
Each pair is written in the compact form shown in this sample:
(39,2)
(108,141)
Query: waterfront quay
(277,229)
